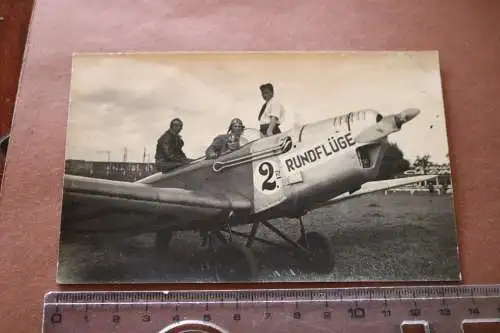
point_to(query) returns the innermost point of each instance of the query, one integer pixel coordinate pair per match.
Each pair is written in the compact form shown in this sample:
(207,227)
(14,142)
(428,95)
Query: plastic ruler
(468,309)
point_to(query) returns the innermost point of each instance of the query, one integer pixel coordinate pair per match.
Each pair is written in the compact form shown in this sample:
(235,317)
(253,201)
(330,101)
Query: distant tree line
(423,162)
(393,163)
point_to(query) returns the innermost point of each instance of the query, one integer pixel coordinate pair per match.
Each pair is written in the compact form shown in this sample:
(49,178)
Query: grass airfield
(377,237)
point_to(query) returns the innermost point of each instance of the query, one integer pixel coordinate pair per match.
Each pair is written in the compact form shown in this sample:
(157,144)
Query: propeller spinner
(387,125)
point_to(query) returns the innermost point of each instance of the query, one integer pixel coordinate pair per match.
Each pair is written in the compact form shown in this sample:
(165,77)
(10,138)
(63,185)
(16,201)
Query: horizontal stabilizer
(376,186)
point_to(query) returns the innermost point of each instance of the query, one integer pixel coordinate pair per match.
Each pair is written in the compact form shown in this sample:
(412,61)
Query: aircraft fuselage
(284,174)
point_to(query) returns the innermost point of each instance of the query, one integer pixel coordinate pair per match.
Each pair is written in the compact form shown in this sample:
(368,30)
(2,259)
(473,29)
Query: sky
(127,100)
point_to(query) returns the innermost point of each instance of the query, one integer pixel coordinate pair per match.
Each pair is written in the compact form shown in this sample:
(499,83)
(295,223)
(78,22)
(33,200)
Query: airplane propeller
(386,126)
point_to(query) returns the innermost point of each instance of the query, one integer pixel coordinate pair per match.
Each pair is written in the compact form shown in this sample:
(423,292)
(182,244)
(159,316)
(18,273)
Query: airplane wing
(86,200)
(375,186)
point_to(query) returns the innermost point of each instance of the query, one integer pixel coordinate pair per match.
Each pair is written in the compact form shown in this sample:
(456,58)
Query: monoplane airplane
(285,175)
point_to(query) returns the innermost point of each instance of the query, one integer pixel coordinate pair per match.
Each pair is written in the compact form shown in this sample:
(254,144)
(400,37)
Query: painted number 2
(266,169)
(266,177)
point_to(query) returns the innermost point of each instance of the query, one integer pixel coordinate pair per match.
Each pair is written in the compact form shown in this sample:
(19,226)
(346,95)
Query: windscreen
(249,135)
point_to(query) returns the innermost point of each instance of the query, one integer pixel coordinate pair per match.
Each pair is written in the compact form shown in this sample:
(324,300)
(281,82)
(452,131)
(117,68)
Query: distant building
(124,171)
(431,169)
(441,184)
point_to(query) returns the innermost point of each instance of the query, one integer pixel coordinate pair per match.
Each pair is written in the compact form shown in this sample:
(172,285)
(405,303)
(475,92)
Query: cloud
(128,100)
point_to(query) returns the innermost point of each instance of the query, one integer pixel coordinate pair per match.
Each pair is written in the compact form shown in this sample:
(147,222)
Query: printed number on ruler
(398,309)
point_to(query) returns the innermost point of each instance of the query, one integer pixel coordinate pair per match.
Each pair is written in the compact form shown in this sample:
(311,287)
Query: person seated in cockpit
(225,143)
(169,154)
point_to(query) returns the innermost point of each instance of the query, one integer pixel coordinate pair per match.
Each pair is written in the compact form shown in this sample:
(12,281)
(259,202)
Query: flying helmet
(236,122)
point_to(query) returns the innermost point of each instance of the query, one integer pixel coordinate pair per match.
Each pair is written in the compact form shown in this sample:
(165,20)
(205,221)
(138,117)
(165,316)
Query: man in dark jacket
(169,154)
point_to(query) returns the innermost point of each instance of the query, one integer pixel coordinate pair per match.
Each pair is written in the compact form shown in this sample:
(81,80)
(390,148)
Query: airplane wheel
(321,258)
(235,263)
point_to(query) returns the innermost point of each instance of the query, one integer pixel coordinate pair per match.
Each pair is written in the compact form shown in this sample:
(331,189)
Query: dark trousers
(263,129)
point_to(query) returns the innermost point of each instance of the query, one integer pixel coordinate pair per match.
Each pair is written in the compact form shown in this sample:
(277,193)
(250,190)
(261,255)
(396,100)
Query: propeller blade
(405,116)
(386,126)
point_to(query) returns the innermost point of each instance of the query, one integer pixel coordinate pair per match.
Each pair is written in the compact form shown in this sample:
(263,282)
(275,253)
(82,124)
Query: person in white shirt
(272,112)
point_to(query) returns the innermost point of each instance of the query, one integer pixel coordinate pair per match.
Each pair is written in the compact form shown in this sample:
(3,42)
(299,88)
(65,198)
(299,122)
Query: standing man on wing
(271,113)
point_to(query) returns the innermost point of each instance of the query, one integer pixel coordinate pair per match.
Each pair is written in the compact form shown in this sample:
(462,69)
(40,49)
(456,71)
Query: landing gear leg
(253,232)
(303,233)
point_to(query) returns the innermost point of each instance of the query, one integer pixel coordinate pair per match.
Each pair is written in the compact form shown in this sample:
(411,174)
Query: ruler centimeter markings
(441,309)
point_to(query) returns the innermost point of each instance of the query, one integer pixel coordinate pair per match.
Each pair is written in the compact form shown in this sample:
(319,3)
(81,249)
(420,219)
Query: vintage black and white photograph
(257,166)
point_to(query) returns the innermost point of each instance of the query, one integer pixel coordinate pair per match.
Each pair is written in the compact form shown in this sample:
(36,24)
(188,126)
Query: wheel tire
(235,263)
(322,259)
